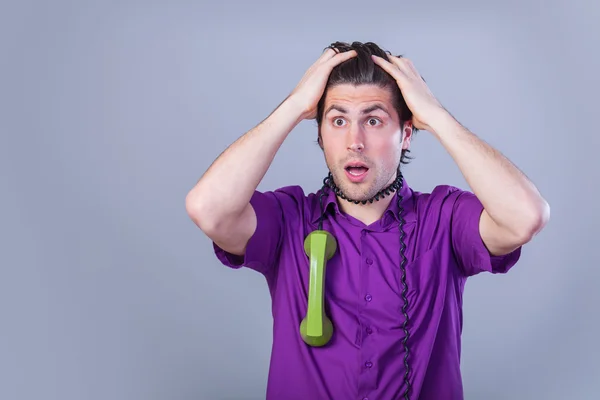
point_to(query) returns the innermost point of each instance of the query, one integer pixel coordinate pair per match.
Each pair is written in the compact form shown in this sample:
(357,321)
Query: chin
(358,191)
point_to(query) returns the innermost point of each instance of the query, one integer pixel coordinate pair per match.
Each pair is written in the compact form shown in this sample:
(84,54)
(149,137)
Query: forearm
(508,196)
(227,186)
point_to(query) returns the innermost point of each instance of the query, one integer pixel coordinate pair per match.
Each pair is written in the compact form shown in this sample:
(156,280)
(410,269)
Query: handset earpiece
(316,329)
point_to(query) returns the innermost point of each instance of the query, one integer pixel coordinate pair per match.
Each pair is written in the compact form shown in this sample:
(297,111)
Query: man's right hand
(309,90)
(220,202)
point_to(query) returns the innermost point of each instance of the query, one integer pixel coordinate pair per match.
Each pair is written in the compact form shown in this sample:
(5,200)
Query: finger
(404,64)
(327,54)
(340,58)
(390,68)
(412,67)
(407,65)
(414,70)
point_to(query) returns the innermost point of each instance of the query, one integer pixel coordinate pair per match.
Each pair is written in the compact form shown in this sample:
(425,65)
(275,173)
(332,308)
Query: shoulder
(292,201)
(444,202)
(287,196)
(441,197)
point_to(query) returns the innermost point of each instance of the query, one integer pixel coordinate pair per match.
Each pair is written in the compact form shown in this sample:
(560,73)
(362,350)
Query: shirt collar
(330,204)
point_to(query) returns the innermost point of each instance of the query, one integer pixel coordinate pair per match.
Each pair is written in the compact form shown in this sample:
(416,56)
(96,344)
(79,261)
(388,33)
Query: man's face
(361,138)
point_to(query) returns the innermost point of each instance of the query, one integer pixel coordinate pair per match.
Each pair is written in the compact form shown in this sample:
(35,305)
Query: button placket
(366,378)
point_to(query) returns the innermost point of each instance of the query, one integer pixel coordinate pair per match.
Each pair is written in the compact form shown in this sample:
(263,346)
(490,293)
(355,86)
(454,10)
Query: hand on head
(311,87)
(420,100)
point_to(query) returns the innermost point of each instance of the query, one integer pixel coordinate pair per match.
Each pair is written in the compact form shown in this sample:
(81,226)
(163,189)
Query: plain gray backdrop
(110,111)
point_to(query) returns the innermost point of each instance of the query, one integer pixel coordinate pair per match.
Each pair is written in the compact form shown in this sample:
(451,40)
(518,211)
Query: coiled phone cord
(396,186)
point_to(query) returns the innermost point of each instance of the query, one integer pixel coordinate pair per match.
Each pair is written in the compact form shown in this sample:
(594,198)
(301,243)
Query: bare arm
(219,204)
(514,210)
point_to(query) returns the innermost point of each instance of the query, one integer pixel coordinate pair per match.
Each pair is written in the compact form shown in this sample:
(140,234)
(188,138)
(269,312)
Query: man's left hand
(419,99)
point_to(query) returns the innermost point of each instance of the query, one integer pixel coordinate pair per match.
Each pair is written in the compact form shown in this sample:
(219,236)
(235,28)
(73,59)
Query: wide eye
(338,122)
(373,121)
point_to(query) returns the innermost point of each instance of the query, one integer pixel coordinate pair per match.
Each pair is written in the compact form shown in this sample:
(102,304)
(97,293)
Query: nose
(356,138)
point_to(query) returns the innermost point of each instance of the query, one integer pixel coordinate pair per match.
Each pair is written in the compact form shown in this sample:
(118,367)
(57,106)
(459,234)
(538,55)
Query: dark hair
(362,70)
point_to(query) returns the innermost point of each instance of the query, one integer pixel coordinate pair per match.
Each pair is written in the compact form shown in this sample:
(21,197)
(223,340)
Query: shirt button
(368,364)
(369,331)
(368,297)
(369,261)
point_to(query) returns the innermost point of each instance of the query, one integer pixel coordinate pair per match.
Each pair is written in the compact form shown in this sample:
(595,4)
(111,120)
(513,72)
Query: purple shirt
(364,358)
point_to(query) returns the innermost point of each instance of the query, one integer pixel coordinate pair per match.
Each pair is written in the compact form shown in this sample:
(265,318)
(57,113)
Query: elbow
(541,216)
(198,211)
(208,214)
(536,220)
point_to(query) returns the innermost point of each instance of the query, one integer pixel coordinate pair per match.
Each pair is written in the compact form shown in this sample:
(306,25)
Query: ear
(320,140)
(407,131)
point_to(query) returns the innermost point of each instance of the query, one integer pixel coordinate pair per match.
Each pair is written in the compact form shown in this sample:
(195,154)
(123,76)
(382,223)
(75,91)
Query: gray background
(110,112)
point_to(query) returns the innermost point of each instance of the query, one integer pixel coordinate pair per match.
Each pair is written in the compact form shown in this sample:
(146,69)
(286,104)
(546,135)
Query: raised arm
(514,211)
(219,204)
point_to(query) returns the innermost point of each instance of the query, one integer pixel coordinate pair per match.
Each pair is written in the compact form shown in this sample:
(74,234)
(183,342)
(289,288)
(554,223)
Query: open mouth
(356,171)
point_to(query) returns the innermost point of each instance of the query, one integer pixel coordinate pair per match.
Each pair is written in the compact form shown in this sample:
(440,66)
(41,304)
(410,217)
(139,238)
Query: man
(393,288)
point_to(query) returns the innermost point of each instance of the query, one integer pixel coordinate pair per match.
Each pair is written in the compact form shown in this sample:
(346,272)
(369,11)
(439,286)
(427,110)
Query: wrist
(297,108)
(442,121)
(286,116)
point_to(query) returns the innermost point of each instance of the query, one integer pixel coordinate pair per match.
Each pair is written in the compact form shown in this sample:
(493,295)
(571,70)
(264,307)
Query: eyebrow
(367,110)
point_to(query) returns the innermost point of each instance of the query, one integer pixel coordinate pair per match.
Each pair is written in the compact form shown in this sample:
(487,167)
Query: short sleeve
(262,250)
(472,255)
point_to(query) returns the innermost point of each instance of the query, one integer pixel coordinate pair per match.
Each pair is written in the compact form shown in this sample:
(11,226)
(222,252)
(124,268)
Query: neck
(368,213)
(369,210)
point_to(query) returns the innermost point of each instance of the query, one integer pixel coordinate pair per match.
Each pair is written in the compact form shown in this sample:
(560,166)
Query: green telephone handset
(316,329)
